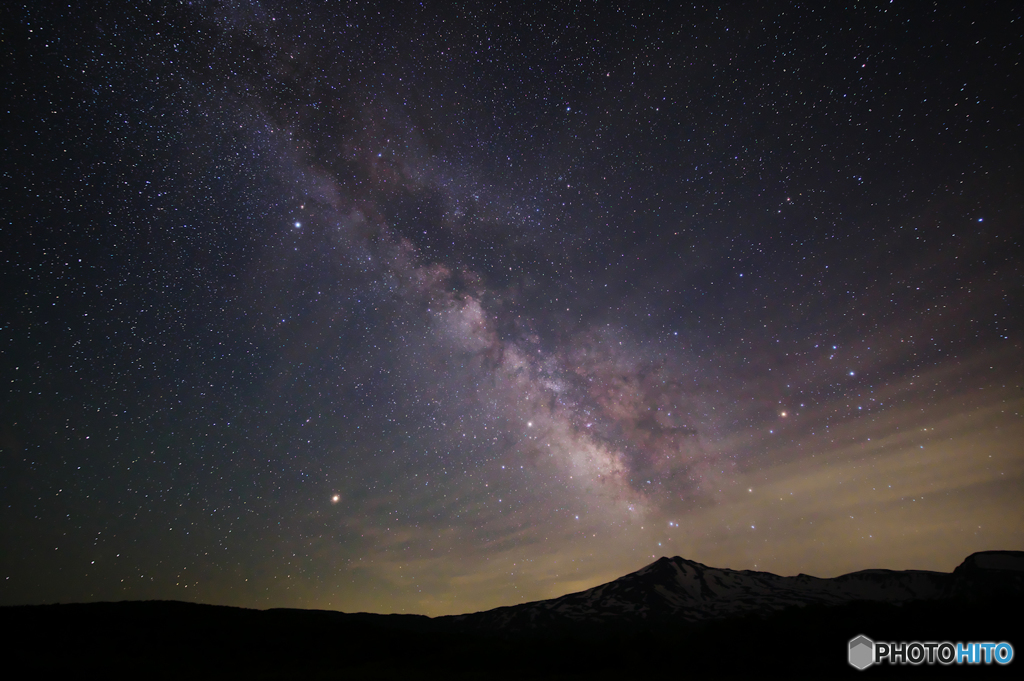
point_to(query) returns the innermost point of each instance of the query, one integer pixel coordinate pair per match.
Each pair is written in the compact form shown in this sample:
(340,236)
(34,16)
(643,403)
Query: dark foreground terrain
(166,639)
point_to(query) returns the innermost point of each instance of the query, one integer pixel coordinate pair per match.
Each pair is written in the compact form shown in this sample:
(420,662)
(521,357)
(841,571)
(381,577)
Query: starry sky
(435,307)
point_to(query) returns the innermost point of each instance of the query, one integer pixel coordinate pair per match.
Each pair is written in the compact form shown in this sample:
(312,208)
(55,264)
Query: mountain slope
(684,591)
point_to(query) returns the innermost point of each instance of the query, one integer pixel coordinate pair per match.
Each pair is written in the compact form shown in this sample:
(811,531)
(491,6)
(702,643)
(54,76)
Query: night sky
(433,308)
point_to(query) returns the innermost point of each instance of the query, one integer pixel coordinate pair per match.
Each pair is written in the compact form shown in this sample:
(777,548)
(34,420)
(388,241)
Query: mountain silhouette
(684,591)
(670,616)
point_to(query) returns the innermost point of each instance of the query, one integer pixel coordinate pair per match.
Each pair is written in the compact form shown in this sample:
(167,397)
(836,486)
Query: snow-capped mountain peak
(686,591)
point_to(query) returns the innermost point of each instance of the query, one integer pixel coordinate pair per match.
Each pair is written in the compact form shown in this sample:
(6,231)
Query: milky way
(413,308)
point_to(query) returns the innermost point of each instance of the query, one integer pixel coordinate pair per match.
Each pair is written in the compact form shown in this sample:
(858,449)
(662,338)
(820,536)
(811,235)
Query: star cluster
(432,308)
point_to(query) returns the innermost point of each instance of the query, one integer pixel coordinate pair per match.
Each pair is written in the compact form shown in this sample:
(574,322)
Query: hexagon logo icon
(862,652)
